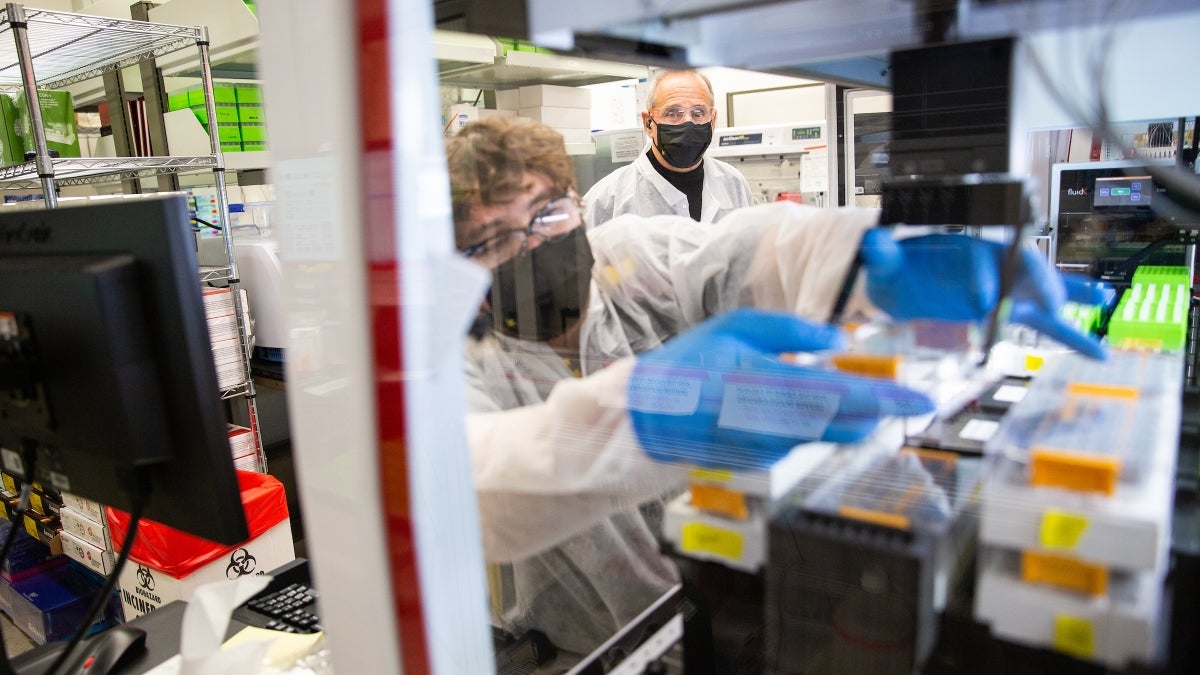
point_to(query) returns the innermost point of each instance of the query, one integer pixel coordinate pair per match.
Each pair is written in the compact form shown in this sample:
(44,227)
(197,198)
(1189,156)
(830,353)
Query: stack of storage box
(1153,312)
(566,109)
(85,537)
(1076,516)
(223,332)
(240,120)
(241,446)
(44,594)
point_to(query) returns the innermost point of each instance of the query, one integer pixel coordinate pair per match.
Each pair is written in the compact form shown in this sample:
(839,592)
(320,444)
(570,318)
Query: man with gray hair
(674,176)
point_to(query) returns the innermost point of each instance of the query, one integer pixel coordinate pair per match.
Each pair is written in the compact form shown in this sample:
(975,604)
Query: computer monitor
(106,364)
(1103,214)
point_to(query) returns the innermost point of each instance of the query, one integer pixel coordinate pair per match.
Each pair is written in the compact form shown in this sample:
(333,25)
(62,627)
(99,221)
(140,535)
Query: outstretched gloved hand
(718,395)
(957,278)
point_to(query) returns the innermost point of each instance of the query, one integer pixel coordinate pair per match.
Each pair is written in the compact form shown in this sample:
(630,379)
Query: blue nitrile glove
(957,278)
(717,396)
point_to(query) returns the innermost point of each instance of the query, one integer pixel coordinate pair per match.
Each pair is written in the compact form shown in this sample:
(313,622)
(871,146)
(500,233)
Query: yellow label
(1062,530)
(10,485)
(712,475)
(701,538)
(35,500)
(1074,636)
(1033,363)
(31,527)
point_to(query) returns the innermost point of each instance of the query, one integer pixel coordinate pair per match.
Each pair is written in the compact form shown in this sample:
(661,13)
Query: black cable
(105,595)
(206,223)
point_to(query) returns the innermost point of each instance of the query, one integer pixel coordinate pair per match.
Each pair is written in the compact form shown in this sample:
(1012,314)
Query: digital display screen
(1123,191)
(740,139)
(806,133)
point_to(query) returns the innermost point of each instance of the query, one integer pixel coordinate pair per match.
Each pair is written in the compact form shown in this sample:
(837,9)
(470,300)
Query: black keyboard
(287,604)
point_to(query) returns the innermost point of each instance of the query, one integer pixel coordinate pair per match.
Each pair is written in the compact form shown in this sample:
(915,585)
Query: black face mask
(539,295)
(682,145)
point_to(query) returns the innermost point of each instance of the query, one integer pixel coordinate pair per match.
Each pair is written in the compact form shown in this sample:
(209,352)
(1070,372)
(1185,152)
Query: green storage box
(224,93)
(195,96)
(177,101)
(254,147)
(58,119)
(230,133)
(227,115)
(231,147)
(1161,274)
(248,93)
(1151,315)
(250,114)
(254,133)
(12,151)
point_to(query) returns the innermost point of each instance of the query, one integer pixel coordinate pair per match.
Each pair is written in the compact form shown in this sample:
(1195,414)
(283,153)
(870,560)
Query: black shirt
(690,183)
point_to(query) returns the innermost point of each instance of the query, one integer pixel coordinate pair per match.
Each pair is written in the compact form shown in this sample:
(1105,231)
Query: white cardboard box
(87,554)
(565,118)
(227,356)
(508,99)
(85,528)
(217,302)
(86,507)
(241,441)
(145,589)
(222,328)
(556,96)
(461,114)
(576,135)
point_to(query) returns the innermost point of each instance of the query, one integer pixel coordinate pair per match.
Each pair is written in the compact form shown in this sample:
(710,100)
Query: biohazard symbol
(145,579)
(241,563)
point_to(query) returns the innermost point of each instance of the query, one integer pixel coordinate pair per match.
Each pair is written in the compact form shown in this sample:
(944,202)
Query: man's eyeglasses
(556,218)
(699,114)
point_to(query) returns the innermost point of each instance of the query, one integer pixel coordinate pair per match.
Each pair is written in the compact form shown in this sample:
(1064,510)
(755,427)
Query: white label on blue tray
(772,408)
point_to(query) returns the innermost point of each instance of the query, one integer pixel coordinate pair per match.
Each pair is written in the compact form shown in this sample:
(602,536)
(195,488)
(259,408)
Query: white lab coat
(638,189)
(556,466)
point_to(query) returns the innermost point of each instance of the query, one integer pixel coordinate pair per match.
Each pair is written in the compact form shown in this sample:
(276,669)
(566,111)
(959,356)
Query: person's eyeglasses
(699,114)
(555,219)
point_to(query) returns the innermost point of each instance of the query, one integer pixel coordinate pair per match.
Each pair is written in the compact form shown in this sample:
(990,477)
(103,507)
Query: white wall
(782,109)
(618,105)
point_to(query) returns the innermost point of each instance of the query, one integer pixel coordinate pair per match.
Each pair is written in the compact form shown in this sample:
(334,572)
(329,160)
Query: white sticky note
(625,147)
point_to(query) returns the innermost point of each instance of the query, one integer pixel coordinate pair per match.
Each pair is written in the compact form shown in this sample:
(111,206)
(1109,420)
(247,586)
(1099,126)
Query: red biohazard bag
(178,553)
